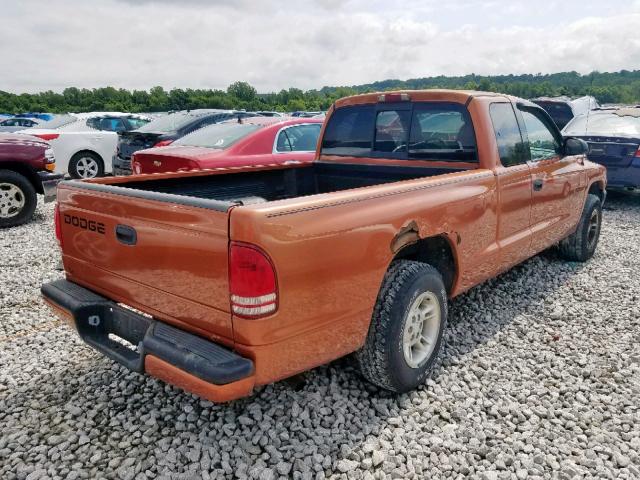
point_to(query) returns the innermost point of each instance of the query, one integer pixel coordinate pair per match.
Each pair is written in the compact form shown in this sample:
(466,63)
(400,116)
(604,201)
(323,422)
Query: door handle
(126,234)
(537,184)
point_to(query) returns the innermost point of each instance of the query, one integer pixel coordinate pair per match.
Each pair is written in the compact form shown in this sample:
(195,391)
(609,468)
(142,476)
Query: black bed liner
(221,192)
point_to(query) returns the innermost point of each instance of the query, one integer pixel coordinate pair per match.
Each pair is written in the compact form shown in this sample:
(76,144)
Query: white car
(84,144)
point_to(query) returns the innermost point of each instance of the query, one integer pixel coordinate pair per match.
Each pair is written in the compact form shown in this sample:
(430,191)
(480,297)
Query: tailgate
(165,258)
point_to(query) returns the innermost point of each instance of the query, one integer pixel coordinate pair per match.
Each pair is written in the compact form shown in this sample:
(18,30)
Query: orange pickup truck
(222,280)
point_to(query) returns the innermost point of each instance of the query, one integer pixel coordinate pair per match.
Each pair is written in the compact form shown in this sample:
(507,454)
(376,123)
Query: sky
(276,44)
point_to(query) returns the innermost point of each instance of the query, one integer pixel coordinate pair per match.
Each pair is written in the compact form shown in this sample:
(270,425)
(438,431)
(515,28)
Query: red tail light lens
(163,143)
(638,152)
(58,224)
(47,136)
(252,281)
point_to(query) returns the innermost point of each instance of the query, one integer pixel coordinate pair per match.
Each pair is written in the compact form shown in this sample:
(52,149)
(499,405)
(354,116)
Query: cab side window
(543,144)
(508,137)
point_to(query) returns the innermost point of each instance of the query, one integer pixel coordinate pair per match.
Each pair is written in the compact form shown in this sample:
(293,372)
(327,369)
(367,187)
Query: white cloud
(277,44)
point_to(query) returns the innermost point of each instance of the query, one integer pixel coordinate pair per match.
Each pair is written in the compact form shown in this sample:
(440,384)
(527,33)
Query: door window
(505,126)
(300,138)
(543,144)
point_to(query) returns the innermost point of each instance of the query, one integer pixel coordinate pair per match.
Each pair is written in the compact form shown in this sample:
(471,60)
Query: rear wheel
(581,244)
(407,326)
(86,165)
(18,199)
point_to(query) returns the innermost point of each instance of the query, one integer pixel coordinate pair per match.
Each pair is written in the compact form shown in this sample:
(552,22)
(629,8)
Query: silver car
(18,123)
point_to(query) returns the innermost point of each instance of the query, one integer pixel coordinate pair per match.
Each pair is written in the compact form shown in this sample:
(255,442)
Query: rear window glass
(349,131)
(218,136)
(442,131)
(604,124)
(424,131)
(168,123)
(58,121)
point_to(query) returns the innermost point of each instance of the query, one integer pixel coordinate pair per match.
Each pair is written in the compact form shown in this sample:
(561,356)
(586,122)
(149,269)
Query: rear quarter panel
(331,252)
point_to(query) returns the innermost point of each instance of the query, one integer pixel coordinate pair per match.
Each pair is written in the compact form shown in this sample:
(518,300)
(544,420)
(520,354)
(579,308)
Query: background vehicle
(80,149)
(111,123)
(613,136)
(255,141)
(45,117)
(18,123)
(26,165)
(254,274)
(164,130)
(563,109)
(305,114)
(271,114)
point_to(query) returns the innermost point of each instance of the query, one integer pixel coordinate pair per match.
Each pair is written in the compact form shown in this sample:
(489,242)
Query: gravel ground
(540,379)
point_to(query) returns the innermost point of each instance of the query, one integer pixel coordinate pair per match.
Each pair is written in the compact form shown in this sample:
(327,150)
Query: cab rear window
(420,131)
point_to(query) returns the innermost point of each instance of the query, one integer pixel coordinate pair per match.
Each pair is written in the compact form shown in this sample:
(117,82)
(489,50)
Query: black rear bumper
(96,317)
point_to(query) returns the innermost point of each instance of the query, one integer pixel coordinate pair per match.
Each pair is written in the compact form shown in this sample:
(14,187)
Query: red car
(249,141)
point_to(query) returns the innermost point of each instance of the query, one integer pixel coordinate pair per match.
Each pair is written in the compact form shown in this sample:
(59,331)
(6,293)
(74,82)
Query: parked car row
(99,143)
(164,130)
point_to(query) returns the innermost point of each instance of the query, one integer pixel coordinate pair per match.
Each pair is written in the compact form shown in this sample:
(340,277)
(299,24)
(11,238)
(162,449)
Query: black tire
(15,187)
(75,167)
(581,244)
(381,359)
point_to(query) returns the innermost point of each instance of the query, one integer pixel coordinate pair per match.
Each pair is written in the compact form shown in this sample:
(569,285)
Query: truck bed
(278,184)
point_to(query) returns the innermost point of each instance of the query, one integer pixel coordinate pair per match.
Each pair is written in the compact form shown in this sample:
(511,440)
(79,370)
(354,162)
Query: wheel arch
(438,251)
(86,150)
(598,188)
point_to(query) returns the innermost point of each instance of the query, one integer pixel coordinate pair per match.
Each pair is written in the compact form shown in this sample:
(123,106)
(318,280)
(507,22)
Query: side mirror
(575,146)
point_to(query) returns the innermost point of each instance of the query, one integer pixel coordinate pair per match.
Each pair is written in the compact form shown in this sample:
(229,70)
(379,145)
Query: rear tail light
(252,282)
(394,97)
(163,143)
(638,152)
(58,224)
(47,136)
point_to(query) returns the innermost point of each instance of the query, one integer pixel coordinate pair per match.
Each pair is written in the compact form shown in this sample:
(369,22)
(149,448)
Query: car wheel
(405,335)
(86,165)
(581,244)
(18,199)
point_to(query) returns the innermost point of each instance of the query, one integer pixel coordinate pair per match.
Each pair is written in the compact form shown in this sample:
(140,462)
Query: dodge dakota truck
(218,281)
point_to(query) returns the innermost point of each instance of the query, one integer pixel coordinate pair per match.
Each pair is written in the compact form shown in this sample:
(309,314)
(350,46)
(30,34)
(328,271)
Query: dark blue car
(613,135)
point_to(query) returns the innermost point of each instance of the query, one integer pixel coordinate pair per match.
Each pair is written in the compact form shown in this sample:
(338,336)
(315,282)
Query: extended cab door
(558,180)
(514,187)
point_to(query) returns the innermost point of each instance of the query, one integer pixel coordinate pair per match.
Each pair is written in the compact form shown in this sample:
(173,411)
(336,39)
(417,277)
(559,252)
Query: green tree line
(608,87)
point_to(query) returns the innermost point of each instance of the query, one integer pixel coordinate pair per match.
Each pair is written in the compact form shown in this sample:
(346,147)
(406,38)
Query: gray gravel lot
(540,378)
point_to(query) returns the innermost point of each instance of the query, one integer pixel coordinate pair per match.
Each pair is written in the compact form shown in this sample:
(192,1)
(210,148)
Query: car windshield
(218,136)
(168,123)
(604,124)
(57,122)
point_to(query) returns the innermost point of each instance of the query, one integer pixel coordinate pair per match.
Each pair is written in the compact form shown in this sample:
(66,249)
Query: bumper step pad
(97,317)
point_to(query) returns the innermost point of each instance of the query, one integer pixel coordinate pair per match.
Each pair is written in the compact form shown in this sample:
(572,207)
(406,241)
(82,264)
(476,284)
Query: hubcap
(87,167)
(421,328)
(594,228)
(11,200)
